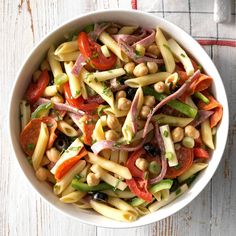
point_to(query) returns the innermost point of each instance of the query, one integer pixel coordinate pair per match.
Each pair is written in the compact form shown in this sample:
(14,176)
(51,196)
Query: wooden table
(22,212)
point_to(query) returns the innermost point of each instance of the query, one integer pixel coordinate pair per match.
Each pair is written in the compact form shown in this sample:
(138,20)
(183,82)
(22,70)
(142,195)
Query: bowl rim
(10,111)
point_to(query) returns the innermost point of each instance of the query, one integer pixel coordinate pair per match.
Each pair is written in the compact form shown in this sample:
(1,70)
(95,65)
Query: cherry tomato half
(35,90)
(93,54)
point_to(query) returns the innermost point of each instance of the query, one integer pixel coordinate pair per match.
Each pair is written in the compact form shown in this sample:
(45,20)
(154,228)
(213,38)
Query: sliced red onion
(79,63)
(150,55)
(131,53)
(98,29)
(129,39)
(160,143)
(116,86)
(171,97)
(60,106)
(147,40)
(202,115)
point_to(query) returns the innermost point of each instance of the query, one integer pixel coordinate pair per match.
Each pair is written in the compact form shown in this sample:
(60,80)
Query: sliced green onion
(42,110)
(61,79)
(154,167)
(201,97)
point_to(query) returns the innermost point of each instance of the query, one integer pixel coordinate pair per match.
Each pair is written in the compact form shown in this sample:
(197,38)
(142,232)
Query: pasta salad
(119,119)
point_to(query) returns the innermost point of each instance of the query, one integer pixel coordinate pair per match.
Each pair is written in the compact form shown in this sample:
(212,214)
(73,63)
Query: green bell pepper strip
(163,184)
(177,105)
(76,184)
(42,110)
(201,97)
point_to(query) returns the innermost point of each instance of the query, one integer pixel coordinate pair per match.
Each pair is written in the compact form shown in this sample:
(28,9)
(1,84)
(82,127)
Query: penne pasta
(165,51)
(69,189)
(147,79)
(66,129)
(50,91)
(123,156)
(82,205)
(114,156)
(108,178)
(98,133)
(109,165)
(54,64)
(67,47)
(68,177)
(128,29)
(40,146)
(142,211)
(71,56)
(106,75)
(113,46)
(25,113)
(118,193)
(115,112)
(74,81)
(112,213)
(206,134)
(196,167)
(73,197)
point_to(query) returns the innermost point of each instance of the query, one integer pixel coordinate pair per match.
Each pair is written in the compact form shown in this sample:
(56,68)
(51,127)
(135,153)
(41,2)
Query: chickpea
(192,132)
(159,87)
(57,99)
(140,70)
(129,67)
(111,135)
(53,154)
(113,122)
(153,49)
(92,179)
(152,67)
(120,94)
(149,101)
(140,49)
(45,65)
(177,134)
(36,75)
(145,111)
(112,30)
(142,164)
(41,174)
(123,104)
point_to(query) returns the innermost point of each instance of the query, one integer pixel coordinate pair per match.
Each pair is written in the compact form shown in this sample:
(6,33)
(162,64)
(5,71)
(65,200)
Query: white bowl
(125,17)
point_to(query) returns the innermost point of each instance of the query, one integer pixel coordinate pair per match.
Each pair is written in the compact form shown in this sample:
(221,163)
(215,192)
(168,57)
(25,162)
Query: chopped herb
(78,177)
(96,79)
(74,148)
(178,191)
(94,141)
(177,167)
(116,185)
(137,53)
(200,68)
(31,146)
(166,134)
(62,151)
(77,92)
(100,110)
(182,55)
(29,159)
(167,47)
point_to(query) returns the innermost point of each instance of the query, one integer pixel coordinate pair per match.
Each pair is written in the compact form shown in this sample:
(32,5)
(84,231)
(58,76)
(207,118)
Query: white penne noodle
(127,128)
(157,205)
(74,81)
(73,197)
(106,75)
(128,29)
(113,213)
(157,195)
(188,100)
(113,46)
(71,56)
(123,157)
(98,87)
(82,205)
(103,120)
(165,51)
(121,205)
(67,47)
(84,173)
(66,180)
(68,120)
(147,79)
(40,146)
(50,91)
(206,134)
(54,64)
(108,178)
(196,167)
(115,112)
(71,151)
(165,194)
(84,92)
(119,193)
(25,113)
(142,211)
(182,56)
(114,156)
(98,133)
(109,165)
(69,189)
(66,129)
(105,51)
(139,134)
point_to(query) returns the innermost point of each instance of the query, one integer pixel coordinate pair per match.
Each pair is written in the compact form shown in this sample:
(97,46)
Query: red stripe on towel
(229,43)
(134,4)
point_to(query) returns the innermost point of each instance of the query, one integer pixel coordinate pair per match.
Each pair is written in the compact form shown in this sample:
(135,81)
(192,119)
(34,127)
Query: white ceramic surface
(125,17)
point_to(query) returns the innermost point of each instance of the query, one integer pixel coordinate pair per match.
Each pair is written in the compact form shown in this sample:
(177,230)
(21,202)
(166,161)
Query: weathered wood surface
(22,211)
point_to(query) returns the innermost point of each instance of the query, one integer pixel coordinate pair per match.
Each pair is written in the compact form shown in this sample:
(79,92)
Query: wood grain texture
(23,24)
